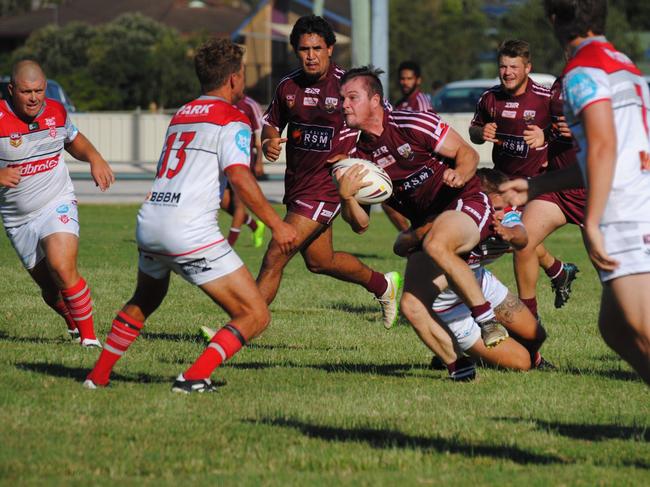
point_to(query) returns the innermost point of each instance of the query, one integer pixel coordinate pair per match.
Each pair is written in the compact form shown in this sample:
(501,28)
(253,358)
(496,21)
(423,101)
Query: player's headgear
(312,24)
(215,61)
(412,65)
(575,18)
(371,76)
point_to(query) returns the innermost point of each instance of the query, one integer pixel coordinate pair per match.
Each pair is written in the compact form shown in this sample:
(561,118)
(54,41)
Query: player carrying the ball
(413,149)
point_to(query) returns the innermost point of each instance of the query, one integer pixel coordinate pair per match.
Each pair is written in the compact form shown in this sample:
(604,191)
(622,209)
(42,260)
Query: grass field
(325,397)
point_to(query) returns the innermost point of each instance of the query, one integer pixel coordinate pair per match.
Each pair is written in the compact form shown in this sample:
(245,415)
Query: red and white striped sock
(123,333)
(77,299)
(64,312)
(224,344)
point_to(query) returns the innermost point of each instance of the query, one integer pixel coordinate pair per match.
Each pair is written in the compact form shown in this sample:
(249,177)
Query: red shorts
(477,206)
(322,212)
(571,202)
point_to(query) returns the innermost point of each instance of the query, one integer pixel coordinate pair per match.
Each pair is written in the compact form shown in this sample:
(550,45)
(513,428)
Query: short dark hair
(370,74)
(575,18)
(215,61)
(491,179)
(412,65)
(514,48)
(312,24)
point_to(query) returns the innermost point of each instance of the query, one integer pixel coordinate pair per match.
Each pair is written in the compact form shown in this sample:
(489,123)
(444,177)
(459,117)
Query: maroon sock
(377,284)
(531,304)
(252,224)
(224,344)
(233,235)
(556,270)
(482,312)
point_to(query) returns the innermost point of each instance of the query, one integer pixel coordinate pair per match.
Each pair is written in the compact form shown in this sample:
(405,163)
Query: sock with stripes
(462,370)
(123,333)
(252,224)
(556,270)
(224,344)
(233,235)
(77,299)
(64,312)
(482,313)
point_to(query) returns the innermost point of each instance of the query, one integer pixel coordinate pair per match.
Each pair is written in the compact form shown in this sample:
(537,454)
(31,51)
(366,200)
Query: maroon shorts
(477,206)
(571,202)
(322,212)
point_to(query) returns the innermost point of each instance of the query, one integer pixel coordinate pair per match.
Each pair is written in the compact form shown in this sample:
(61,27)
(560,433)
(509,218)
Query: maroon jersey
(512,114)
(562,151)
(406,150)
(415,102)
(251,109)
(313,114)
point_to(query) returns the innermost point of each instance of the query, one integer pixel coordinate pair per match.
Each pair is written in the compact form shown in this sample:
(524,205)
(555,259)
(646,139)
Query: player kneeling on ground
(207,140)
(521,350)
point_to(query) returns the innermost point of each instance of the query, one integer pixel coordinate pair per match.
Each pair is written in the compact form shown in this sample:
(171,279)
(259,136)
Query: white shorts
(629,244)
(456,315)
(58,217)
(196,268)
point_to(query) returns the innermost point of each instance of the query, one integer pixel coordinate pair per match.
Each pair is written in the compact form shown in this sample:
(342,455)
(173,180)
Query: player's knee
(436,248)
(317,266)
(65,273)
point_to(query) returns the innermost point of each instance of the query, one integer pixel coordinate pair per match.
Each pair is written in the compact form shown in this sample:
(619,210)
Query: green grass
(325,396)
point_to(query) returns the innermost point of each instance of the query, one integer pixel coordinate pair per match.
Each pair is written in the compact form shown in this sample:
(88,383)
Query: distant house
(264,31)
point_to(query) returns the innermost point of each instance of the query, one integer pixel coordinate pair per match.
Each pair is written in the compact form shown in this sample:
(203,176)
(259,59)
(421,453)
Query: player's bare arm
(349,182)
(243,181)
(486,133)
(455,147)
(516,236)
(258,168)
(82,149)
(598,122)
(272,143)
(518,192)
(9,177)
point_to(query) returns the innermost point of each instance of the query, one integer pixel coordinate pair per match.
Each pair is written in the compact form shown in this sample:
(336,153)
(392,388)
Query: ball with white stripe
(380,188)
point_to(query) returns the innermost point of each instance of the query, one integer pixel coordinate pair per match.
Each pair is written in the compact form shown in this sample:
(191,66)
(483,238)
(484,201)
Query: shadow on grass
(615,374)
(390,439)
(387,370)
(589,432)
(79,374)
(172,337)
(39,341)
(355,308)
(361,255)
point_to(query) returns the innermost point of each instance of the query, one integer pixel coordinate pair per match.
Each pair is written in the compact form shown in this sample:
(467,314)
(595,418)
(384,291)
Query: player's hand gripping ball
(380,188)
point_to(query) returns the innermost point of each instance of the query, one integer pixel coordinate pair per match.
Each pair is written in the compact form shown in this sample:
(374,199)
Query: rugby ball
(380,188)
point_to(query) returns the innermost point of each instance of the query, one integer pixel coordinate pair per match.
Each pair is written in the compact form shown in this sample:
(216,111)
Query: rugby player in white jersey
(37,200)
(208,139)
(606,105)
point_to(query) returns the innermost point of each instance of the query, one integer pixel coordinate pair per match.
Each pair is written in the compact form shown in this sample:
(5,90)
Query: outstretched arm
(82,149)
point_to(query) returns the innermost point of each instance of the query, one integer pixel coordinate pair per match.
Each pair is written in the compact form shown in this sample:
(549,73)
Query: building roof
(216,17)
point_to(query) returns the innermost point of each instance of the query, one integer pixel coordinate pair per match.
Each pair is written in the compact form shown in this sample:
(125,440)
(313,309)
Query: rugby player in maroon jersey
(513,115)
(410,79)
(412,148)
(307,101)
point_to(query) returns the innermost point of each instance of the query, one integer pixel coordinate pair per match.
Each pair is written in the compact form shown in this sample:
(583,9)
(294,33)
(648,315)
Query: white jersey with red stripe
(36,148)
(204,138)
(598,72)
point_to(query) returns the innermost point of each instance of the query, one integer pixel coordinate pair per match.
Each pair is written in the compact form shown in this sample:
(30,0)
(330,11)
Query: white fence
(137,137)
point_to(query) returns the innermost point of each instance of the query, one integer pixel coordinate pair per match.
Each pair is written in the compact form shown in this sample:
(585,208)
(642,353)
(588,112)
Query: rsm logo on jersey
(163,197)
(243,141)
(311,137)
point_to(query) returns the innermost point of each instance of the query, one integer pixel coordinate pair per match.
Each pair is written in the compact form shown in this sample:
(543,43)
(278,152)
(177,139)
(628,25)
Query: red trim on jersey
(184,253)
(595,55)
(593,102)
(644,110)
(247,164)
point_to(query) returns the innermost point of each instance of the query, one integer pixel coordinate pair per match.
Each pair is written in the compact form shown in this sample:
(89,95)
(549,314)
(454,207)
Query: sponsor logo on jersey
(310,101)
(382,150)
(312,91)
(529,115)
(331,103)
(509,114)
(36,167)
(414,181)
(512,104)
(580,89)
(195,110)
(385,161)
(243,141)
(51,124)
(64,219)
(163,197)
(513,145)
(16,139)
(405,151)
(469,209)
(311,137)
(291,100)
(62,209)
